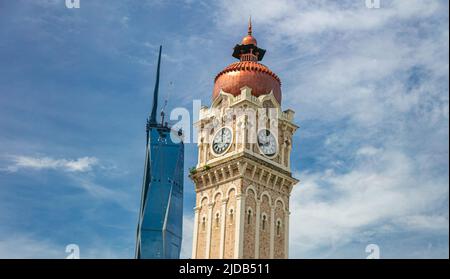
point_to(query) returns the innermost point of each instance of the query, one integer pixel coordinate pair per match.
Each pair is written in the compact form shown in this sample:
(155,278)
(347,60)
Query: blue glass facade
(159,231)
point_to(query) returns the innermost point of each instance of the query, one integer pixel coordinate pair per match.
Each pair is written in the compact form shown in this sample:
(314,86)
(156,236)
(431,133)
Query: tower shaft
(243,177)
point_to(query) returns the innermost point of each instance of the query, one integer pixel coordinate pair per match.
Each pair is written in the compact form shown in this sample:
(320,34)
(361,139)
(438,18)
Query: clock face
(222,140)
(267,143)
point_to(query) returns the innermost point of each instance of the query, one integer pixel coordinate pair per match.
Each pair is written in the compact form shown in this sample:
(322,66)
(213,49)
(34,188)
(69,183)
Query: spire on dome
(248,50)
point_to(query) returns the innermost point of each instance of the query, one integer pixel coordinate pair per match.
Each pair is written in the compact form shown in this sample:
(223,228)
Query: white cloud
(28,246)
(293,18)
(121,198)
(82,164)
(428,222)
(384,191)
(368,151)
(79,173)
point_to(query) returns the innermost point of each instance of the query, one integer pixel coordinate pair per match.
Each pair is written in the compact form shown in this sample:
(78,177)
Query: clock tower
(243,177)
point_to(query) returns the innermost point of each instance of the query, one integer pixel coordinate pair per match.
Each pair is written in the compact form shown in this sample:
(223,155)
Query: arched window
(217,219)
(249,216)
(278,227)
(231,213)
(264,219)
(203,222)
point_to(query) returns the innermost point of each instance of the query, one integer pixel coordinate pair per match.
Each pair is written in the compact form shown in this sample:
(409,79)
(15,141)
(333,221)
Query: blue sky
(369,87)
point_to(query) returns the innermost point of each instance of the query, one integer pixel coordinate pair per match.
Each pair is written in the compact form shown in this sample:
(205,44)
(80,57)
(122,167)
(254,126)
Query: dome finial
(249,39)
(248,49)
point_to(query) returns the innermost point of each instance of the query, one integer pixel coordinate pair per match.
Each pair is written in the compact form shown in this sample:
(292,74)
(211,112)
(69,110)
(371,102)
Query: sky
(369,87)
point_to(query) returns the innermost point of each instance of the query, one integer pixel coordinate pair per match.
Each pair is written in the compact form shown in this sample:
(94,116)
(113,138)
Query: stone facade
(242,196)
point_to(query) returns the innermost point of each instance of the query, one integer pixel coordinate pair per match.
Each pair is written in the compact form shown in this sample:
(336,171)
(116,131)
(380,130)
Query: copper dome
(247,73)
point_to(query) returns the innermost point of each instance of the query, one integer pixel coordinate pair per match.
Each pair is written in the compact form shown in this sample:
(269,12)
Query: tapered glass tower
(159,230)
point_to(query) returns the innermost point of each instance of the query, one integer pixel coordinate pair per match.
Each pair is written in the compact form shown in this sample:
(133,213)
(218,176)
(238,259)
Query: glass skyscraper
(159,231)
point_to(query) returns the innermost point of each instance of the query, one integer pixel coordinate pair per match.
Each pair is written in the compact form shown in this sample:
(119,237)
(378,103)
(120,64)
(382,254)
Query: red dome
(247,73)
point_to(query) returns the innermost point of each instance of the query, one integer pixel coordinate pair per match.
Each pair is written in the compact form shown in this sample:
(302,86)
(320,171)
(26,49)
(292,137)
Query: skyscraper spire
(250,26)
(155,92)
(160,225)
